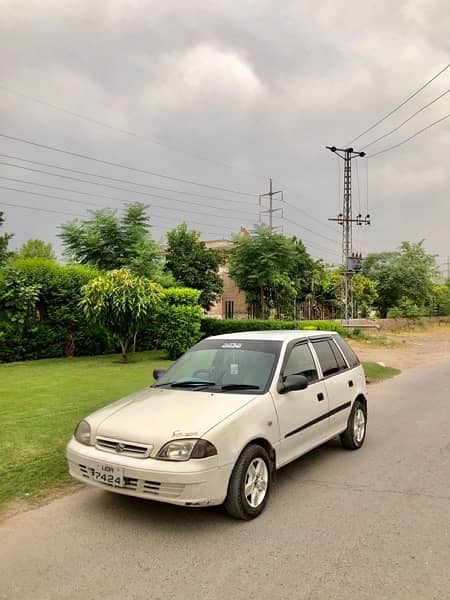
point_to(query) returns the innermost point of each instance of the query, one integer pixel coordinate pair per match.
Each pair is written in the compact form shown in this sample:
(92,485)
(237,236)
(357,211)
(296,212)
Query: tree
(193,264)
(17,306)
(121,303)
(36,249)
(406,274)
(4,241)
(364,294)
(330,289)
(272,270)
(107,242)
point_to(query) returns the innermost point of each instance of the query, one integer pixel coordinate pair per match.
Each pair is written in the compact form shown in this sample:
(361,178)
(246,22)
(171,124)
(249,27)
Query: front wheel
(250,482)
(353,437)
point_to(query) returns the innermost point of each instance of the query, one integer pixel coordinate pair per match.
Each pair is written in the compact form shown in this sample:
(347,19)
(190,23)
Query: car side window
(339,358)
(301,362)
(328,358)
(351,357)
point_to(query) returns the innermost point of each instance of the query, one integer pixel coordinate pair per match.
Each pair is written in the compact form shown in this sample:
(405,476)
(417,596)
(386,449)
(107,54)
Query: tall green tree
(108,242)
(272,270)
(122,304)
(4,241)
(364,293)
(404,275)
(36,249)
(193,264)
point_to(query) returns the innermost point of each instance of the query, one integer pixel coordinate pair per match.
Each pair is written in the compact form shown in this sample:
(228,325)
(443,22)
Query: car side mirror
(157,373)
(292,383)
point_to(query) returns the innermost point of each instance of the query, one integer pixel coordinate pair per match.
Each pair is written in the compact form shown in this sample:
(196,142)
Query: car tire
(355,434)
(250,484)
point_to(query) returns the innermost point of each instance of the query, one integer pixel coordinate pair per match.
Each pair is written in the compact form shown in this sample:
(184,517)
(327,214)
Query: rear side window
(351,357)
(328,357)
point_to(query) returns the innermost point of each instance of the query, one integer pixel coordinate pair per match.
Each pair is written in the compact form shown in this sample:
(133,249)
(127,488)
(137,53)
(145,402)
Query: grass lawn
(42,401)
(375,372)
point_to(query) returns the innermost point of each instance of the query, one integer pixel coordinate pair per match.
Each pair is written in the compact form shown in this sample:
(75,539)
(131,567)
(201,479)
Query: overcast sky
(227,94)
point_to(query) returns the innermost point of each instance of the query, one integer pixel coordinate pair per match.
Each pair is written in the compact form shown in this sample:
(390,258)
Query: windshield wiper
(176,384)
(240,386)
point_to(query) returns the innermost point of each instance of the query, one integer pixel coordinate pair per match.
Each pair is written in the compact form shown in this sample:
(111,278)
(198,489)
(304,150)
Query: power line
(39,209)
(177,210)
(129,190)
(115,179)
(11,189)
(399,106)
(325,237)
(70,214)
(405,121)
(410,137)
(322,248)
(308,215)
(122,166)
(54,187)
(127,132)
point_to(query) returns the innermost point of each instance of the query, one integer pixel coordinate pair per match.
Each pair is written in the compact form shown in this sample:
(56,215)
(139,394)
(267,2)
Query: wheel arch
(362,400)
(264,443)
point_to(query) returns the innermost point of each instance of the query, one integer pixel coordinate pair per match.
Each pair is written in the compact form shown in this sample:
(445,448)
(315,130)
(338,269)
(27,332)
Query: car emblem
(120,447)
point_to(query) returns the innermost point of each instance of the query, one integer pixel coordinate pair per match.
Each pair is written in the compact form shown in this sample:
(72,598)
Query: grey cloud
(260,86)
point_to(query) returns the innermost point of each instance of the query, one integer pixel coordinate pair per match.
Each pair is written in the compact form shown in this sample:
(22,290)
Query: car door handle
(320,396)
(350,383)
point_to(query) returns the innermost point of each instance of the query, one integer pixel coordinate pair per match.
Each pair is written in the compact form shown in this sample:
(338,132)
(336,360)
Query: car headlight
(83,433)
(185,449)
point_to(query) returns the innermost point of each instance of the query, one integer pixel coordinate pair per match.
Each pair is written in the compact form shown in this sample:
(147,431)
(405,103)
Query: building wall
(232,302)
(231,294)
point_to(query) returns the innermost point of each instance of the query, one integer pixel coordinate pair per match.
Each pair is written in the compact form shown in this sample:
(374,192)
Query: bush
(56,326)
(406,309)
(178,324)
(222,326)
(179,329)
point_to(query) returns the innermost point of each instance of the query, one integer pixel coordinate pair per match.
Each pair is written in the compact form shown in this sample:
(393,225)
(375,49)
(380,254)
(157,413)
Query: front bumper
(191,483)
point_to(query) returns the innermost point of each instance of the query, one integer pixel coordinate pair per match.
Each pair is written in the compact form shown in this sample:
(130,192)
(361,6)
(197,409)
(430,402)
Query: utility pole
(351,261)
(447,264)
(270,194)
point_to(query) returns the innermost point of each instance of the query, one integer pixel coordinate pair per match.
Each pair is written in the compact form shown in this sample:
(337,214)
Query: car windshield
(241,366)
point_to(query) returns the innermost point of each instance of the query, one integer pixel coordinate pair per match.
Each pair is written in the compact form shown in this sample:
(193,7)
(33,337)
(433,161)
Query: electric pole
(270,194)
(447,264)
(351,261)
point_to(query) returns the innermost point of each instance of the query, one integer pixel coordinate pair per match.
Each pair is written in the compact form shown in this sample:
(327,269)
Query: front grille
(144,486)
(121,447)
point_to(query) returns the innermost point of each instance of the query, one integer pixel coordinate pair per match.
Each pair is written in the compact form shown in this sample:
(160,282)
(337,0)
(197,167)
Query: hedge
(222,326)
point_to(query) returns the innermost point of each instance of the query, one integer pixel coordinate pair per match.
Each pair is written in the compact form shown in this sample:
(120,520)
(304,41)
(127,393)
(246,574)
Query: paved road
(373,524)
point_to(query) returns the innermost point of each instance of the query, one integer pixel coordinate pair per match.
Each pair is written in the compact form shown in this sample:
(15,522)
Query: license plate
(107,474)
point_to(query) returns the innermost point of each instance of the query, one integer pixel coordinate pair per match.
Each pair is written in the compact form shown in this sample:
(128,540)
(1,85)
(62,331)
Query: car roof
(278,334)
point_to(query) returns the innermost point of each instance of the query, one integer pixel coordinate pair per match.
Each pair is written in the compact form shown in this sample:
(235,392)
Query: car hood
(154,416)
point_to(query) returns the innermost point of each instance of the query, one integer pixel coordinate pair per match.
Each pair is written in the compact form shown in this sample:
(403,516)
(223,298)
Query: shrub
(179,329)
(406,309)
(178,323)
(222,326)
(55,326)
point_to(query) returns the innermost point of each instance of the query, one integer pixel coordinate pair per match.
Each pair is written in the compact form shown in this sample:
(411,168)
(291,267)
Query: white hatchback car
(214,427)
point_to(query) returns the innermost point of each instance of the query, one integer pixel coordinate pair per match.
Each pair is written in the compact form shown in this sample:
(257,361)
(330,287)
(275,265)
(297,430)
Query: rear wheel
(353,437)
(250,483)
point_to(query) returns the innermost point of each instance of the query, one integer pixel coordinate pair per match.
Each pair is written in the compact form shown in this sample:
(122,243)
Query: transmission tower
(350,260)
(270,194)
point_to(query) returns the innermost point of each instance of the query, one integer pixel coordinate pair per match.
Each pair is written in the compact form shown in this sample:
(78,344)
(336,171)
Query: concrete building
(232,304)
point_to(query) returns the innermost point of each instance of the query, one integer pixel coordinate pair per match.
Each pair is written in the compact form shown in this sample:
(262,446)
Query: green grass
(40,404)
(375,372)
